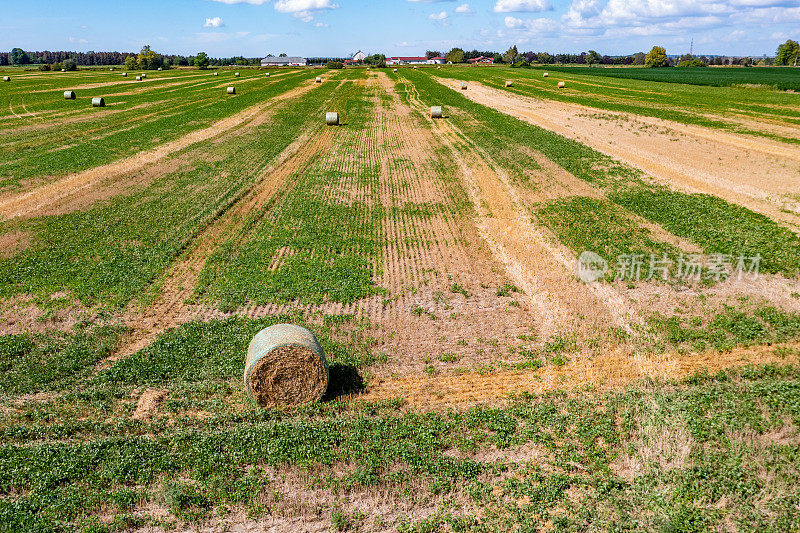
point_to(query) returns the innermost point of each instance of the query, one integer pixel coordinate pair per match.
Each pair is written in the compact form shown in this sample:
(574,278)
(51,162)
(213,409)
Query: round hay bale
(464,86)
(267,74)
(561,85)
(216,74)
(160,69)
(144,75)
(332,119)
(509,83)
(6,78)
(124,74)
(231,90)
(436,111)
(395,70)
(98,102)
(545,75)
(236,74)
(138,78)
(285,366)
(63,70)
(319,80)
(69,95)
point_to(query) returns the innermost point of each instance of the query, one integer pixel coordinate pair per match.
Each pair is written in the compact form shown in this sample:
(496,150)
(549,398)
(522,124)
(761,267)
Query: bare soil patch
(755,173)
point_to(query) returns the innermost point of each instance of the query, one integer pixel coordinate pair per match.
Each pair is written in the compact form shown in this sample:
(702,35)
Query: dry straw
(231,90)
(285,366)
(98,102)
(436,111)
(332,119)
(69,95)
(561,85)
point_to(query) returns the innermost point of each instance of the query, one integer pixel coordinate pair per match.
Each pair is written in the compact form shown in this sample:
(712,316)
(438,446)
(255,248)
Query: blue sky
(399,27)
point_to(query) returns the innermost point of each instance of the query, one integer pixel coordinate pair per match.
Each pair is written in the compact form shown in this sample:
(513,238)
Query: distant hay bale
(236,74)
(216,74)
(436,111)
(160,69)
(285,366)
(509,83)
(144,75)
(319,80)
(561,85)
(267,74)
(63,70)
(395,70)
(98,102)
(69,95)
(332,119)
(138,78)
(231,90)
(6,78)
(124,74)
(463,86)
(545,75)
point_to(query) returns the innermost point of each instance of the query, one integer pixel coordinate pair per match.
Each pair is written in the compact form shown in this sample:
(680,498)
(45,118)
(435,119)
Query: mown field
(476,384)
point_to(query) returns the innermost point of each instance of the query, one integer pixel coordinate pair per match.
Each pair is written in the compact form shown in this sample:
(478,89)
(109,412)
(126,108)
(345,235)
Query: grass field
(477,383)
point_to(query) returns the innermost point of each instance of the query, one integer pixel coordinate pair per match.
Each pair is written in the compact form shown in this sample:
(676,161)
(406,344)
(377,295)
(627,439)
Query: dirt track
(756,173)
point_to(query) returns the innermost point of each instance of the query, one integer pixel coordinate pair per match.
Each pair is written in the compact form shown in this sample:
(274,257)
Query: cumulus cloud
(77,40)
(302,9)
(215,22)
(252,2)
(464,9)
(438,16)
(531,6)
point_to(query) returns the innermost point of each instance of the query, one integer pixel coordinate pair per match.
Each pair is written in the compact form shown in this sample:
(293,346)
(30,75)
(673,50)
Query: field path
(27,203)
(545,269)
(759,174)
(170,308)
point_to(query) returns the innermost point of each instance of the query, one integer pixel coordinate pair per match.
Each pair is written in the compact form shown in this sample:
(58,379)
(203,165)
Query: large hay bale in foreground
(436,111)
(319,80)
(561,85)
(69,95)
(98,102)
(332,119)
(231,90)
(285,366)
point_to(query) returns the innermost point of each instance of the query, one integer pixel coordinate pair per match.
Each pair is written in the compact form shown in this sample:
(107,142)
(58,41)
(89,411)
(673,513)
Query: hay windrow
(288,375)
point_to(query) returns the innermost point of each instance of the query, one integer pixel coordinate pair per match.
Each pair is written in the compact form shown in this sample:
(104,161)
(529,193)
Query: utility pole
(691,48)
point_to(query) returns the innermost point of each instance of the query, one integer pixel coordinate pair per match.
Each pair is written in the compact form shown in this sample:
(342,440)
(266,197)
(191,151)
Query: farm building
(415,61)
(272,61)
(359,56)
(481,61)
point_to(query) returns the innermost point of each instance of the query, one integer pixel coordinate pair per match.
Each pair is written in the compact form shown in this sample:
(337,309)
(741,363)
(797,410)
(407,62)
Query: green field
(476,384)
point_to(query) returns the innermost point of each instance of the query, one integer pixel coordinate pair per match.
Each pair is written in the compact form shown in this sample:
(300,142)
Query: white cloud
(513,6)
(438,16)
(77,40)
(465,9)
(532,27)
(253,2)
(303,6)
(215,22)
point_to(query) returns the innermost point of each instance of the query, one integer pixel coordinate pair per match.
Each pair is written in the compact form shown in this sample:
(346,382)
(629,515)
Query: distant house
(272,61)
(359,56)
(407,61)
(481,61)
(437,61)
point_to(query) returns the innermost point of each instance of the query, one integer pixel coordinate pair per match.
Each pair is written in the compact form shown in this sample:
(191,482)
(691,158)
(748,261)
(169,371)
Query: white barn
(359,56)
